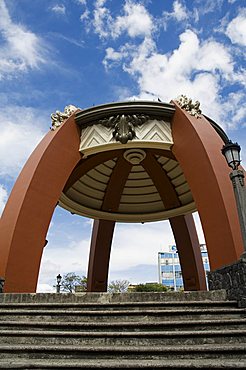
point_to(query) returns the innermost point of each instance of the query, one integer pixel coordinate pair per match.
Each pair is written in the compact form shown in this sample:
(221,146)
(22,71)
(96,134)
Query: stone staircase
(122,331)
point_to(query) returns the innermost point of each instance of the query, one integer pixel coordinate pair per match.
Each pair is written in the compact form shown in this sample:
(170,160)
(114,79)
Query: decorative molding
(93,136)
(58,117)
(90,116)
(192,108)
(154,133)
(237,177)
(124,125)
(134,156)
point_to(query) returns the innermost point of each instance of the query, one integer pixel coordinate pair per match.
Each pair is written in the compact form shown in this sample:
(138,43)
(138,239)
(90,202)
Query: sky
(90,52)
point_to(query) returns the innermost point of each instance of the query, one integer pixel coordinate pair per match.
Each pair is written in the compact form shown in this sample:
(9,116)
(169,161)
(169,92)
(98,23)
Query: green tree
(118,286)
(150,287)
(71,280)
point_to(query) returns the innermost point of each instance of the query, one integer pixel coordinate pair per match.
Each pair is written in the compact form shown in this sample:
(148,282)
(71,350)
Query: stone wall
(232,278)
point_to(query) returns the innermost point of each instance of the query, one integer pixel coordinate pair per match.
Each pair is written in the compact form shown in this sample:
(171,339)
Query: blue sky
(59,52)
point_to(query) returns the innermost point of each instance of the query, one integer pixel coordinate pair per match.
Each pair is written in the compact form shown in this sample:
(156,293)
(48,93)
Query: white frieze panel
(153,133)
(95,135)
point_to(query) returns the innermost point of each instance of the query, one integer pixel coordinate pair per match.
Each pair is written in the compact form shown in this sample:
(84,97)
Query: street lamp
(231,151)
(58,285)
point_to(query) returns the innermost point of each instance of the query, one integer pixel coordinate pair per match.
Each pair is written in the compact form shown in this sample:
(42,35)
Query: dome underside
(128,186)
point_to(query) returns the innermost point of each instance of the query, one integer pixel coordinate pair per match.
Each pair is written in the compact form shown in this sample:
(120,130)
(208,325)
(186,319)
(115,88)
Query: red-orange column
(101,241)
(27,215)
(197,147)
(187,243)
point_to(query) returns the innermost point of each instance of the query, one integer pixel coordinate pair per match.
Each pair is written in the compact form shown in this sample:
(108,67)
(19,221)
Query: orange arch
(26,218)
(197,148)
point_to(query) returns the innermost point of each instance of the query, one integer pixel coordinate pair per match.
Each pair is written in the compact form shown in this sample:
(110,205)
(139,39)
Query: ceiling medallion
(134,156)
(192,108)
(124,125)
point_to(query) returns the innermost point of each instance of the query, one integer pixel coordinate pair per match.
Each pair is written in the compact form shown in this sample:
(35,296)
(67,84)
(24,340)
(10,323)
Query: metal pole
(159,267)
(237,178)
(58,288)
(174,277)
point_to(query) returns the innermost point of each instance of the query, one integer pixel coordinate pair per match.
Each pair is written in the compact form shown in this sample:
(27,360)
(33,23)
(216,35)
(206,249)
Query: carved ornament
(58,117)
(134,156)
(192,108)
(124,125)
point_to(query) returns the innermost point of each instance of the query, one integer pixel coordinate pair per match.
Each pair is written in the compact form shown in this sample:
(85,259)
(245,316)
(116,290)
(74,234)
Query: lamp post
(58,285)
(231,151)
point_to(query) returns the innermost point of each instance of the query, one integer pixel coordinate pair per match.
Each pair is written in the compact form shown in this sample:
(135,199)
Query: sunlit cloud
(21,130)
(59,9)
(236,29)
(3,197)
(21,49)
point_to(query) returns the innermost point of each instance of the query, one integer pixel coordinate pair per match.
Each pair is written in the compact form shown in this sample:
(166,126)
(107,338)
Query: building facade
(169,268)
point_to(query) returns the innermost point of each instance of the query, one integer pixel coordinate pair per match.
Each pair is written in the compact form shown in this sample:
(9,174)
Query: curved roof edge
(218,129)
(146,107)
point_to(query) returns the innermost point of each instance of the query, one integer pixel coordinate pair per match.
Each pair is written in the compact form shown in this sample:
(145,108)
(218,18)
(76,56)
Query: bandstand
(131,161)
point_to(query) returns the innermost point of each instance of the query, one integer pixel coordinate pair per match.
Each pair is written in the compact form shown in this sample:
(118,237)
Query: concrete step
(174,325)
(216,295)
(123,364)
(119,306)
(123,315)
(134,331)
(144,338)
(213,351)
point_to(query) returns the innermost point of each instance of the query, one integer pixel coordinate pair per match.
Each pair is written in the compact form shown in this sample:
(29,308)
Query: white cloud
(102,19)
(180,12)
(113,57)
(85,15)
(21,130)
(191,56)
(208,6)
(236,29)
(79,43)
(45,288)
(3,198)
(214,56)
(199,229)
(48,270)
(137,244)
(73,257)
(136,21)
(21,50)
(196,68)
(111,54)
(133,244)
(59,9)
(235,109)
